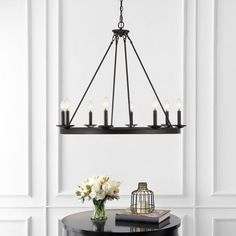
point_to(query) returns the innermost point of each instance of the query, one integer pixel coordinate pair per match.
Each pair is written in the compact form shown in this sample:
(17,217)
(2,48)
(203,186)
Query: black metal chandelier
(66,126)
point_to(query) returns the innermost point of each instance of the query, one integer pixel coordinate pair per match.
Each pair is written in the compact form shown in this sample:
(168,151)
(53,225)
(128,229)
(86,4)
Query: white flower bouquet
(98,189)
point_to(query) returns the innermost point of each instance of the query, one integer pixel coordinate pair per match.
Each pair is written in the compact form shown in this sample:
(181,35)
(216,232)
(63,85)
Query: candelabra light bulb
(90,106)
(106,103)
(62,106)
(179,104)
(155,104)
(131,107)
(167,105)
(65,105)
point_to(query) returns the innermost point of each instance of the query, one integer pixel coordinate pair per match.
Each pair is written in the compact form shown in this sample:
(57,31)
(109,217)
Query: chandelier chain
(121,23)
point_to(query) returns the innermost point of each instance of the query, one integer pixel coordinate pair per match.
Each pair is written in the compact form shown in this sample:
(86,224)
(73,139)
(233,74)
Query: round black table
(80,224)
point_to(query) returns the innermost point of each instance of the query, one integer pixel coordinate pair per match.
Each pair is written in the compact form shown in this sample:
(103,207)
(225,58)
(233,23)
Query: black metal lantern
(66,126)
(142,200)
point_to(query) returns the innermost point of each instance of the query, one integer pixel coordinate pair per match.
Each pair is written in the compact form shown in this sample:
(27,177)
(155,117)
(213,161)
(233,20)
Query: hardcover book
(143,226)
(155,217)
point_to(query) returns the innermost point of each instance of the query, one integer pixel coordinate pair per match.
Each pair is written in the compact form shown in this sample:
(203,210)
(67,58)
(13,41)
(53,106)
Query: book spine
(137,219)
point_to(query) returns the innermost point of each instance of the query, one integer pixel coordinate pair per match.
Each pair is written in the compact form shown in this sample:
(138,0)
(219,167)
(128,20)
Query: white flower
(106,187)
(99,188)
(114,190)
(100,195)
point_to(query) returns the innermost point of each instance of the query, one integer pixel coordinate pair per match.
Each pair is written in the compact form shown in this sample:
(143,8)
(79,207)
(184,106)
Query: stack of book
(158,216)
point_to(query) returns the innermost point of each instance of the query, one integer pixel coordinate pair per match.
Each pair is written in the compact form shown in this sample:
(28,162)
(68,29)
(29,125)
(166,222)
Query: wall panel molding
(28,192)
(23,220)
(216,220)
(214,191)
(182,192)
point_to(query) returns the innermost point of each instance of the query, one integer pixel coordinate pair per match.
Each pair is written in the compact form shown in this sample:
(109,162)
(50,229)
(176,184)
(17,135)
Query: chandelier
(66,126)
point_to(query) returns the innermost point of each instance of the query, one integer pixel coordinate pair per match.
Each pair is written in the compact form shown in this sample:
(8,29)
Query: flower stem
(99,210)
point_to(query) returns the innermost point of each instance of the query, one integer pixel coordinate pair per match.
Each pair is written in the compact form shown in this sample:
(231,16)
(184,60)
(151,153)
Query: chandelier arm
(127,80)
(114,80)
(149,80)
(90,83)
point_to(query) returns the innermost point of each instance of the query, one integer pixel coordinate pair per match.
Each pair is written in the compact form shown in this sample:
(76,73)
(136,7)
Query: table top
(82,223)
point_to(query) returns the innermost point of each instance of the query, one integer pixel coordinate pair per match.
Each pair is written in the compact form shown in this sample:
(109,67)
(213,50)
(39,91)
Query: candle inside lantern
(90,108)
(106,105)
(179,105)
(155,105)
(167,107)
(131,114)
(142,207)
(65,112)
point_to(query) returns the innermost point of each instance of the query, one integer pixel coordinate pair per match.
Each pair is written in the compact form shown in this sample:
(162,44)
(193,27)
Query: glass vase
(99,210)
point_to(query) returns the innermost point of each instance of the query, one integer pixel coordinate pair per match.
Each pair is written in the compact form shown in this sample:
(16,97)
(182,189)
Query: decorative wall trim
(29,34)
(214,100)
(214,152)
(183,225)
(28,193)
(215,220)
(60,228)
(59,159)
(26,221)
(62,194)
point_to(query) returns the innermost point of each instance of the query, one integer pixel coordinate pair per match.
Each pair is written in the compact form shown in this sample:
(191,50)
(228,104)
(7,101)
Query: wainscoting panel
(14,226)
(15,71)
(140,153)
(22,222)
(23,93)
(78,156)
(225,72)
(216,172)
(224,226)
(216,222)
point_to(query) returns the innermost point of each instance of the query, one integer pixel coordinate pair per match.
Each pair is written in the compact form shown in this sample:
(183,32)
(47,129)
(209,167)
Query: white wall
(49,51)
